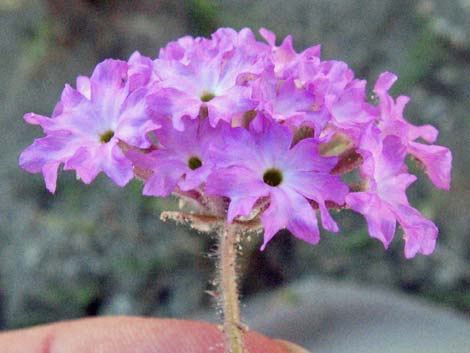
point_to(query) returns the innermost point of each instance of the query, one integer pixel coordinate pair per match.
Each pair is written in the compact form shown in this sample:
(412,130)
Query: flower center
(106,136)
(272,177)
(194,163)
(207,96)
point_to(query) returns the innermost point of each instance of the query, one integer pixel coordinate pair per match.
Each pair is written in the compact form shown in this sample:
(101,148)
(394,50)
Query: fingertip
(133,335)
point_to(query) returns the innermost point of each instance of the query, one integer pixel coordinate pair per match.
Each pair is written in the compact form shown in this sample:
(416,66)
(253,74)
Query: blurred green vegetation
(203,17)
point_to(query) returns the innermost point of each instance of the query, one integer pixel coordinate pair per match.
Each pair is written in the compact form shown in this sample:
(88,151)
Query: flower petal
(381,222)
(437,161)
(290,210)
(420,234)
(241,185)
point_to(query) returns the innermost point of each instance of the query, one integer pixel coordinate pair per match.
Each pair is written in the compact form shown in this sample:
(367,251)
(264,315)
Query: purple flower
(140,71)
(255,165)
(286,102)
(384,202)
(287,62)
(349,109)
(437,160)
(267,127)
(207,77)
(182,159)
(87,125)
(342,96)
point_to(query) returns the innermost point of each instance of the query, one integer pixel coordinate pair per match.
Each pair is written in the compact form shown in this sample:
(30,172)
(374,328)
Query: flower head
(252,132)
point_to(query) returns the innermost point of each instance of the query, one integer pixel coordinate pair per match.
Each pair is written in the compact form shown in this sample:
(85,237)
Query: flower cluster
(249,131)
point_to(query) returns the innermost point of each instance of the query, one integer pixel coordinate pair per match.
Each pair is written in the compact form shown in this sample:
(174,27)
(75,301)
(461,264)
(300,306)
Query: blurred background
(99,249)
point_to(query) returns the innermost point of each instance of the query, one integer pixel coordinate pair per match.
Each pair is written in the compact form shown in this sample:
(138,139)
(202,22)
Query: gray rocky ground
(101,250)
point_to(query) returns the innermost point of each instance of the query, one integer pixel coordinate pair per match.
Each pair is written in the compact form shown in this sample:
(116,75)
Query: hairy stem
(228,291)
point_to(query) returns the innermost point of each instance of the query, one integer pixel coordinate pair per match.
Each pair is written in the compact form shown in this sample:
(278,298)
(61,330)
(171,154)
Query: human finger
(132,335)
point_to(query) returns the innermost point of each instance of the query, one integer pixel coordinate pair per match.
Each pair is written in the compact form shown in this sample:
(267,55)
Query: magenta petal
(240,206)
(241,185)
(269,36)
(381,222)
(304,226)
(420,234)
(237,142)
(393,189)
(427,132)
(289,210)
(384,82)
(115,165)
(420,239)
(135,122)
(227,106)
(84,163)
(274,141)
(327,221)
(35,119)
(303,222)
(71,98)
(304,156)
(107,101)
(348,109)
(140,70)
(45,155)
(166,171)
(274,218)
(437,161)
(164,180)
(42,157)
(84,86)
(320,187)
(142,160)
(392,156)
(110,72)
(194,178)
(50,175)
(174,104)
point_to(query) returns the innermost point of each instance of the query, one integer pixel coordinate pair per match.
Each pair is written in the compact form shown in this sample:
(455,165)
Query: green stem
(232,328)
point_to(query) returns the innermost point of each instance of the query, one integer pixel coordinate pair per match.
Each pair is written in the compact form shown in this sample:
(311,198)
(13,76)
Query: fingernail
(291,347)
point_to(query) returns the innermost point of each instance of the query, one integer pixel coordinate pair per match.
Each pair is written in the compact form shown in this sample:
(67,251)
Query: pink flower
(384,202)
(86,126)
(231,117)
(207,77)
(182,159)
(255,165)
(287,62)
(437,160)
(288,103)
(140,71)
